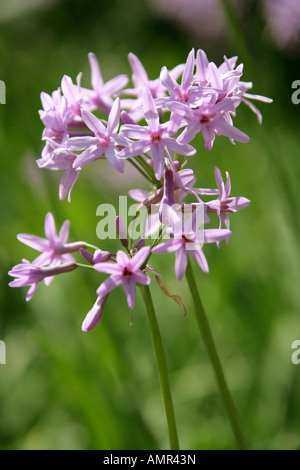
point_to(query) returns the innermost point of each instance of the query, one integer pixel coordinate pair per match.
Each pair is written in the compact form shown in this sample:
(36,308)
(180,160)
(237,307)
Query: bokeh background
(65,389)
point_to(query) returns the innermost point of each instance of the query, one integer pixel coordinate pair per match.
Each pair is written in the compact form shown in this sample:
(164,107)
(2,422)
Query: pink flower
(55,249)
(141,80)
(102,95)
(125,271)
(58,156)
(211,118)
(176,186)
(29,274)
(154,137)
(54,114)
(104,143)
(225,204)
(184,243)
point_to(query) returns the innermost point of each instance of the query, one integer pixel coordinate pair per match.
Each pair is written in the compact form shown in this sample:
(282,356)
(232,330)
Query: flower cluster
(151,126)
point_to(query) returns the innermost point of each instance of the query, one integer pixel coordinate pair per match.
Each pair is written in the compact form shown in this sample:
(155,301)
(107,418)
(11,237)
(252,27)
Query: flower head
(154,138)
(125,271)
(225,204)
(55,249)
(29,274)
(184,243)
(104,143)
(102,95)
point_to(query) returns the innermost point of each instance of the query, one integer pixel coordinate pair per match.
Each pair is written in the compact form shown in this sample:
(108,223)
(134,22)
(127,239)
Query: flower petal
(139,258)
(114,117)
(109,284)
(50,229)
(108,268)
(167,247)
(180,263)
(96,79)
(199,256)
(37,243)
(150,111)
(93,122)
(122,258)
(64,232)
(129,287)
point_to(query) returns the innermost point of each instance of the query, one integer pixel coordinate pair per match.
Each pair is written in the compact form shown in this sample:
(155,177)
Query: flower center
(155,137)
(188,238)
(126,272)
(204,119)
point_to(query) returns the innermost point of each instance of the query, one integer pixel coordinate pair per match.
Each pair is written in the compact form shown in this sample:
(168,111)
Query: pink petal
(30,292)
(111,154)
(168,81)
(64,232)
(227,186)
(134,149)
(180,263)
(43,259)
(37,243)
(68,87)
(139,258)
(122,258)
(167,247)
(129,287)
(199,257)
(215,76)
(231,131)
(212,235)
(141,277)
(108,268)
(93,122)
(150,111)
(219,180)
(114,85)
(187,77)
(139,76)
(67,182)
(114,117)
(202,64)
(96,80)
(50,229)
(158,157)
(138,194)
(109,284)
(238,203)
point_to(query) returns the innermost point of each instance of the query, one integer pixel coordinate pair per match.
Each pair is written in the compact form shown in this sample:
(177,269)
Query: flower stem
(147,168)
(161,367)
(214,358)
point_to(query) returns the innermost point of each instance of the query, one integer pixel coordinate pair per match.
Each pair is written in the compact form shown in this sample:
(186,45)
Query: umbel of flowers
(151,125)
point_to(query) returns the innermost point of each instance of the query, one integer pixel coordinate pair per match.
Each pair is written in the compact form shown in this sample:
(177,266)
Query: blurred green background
(65,389)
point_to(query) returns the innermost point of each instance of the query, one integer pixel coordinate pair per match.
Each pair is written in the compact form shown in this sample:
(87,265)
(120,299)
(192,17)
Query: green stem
(161,367)
(140,170)
(88,245)
(148,169)
(214,358)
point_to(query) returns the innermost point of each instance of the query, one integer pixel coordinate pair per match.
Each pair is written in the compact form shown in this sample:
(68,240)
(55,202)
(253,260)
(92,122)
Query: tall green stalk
(162,368)
(214,358)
